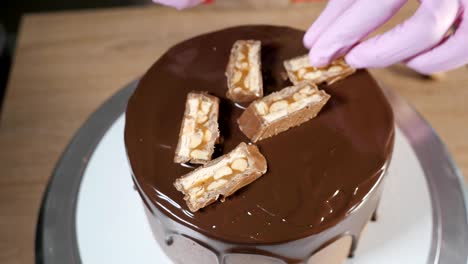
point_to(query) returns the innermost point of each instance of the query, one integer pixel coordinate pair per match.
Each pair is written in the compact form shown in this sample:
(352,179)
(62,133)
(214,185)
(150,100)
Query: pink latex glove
(420,41)
(179,4)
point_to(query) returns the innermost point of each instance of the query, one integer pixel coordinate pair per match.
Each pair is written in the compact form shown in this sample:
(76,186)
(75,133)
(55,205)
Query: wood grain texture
(67,64)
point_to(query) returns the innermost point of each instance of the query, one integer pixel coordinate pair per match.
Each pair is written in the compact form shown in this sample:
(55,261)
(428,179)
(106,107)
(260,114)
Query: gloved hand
(420,41)
(179,4)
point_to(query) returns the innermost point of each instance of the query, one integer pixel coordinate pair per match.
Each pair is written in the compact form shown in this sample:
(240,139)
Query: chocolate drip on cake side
(324,177)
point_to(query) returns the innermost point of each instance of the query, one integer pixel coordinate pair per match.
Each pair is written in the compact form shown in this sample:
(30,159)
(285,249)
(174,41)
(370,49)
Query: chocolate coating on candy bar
(244,77)
(318,174)
(199,130)
(282,110)
(299,69)
(222,177)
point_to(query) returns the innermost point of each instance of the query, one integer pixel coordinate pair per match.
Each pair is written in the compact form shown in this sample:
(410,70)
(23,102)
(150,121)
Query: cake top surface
(317,172)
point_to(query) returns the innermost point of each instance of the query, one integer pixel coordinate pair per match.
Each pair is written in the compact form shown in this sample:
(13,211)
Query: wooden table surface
(67,64)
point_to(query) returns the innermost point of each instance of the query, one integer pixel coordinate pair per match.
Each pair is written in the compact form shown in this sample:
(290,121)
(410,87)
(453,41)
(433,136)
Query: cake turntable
(90,201)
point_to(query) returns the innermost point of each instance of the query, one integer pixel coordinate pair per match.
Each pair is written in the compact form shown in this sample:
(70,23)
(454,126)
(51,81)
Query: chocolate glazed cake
(324,177)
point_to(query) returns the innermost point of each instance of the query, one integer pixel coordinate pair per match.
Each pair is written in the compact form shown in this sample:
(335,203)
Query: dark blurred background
(10,18)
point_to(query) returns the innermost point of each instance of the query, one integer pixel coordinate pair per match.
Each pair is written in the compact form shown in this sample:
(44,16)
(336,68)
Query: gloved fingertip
(307,40)
(421,68)
(317,60)
(353,61)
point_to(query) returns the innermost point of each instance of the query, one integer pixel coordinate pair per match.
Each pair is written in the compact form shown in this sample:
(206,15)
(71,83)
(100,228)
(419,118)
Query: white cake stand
(92,214)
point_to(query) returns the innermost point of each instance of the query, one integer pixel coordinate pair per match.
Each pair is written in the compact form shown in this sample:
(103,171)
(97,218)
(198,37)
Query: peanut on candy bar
(199,131)
(299,69)
(221,177)
(282,110)
(244,77)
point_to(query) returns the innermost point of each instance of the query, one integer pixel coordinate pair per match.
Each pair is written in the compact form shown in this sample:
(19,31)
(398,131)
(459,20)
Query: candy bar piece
(282,110)
(299,69)
(222,177)
(199,131)
(244,77)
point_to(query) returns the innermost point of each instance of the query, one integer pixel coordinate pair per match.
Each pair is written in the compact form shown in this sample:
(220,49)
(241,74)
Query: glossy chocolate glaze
(320,174)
